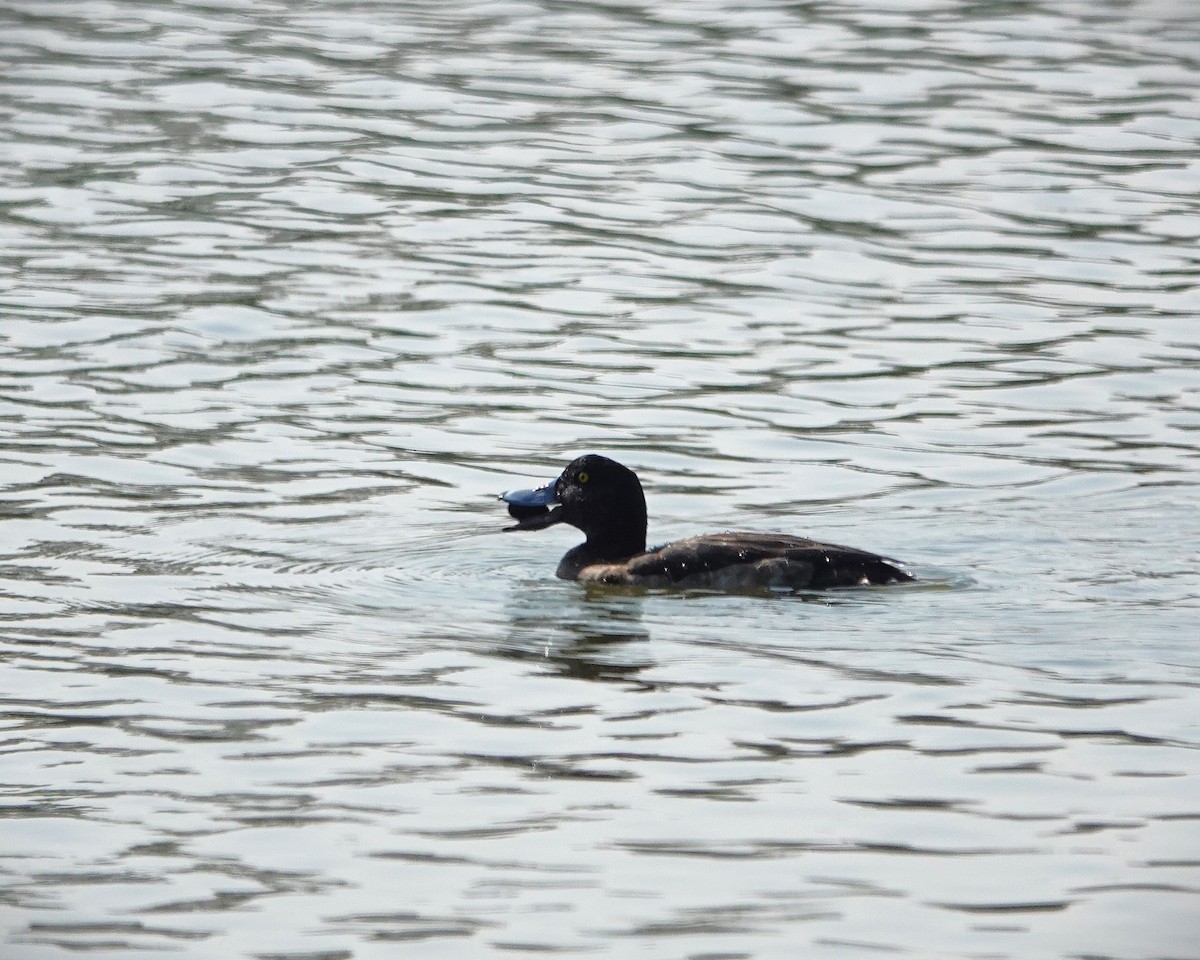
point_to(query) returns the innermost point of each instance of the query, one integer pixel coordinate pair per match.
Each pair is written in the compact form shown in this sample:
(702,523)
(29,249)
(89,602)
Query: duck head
(594,494)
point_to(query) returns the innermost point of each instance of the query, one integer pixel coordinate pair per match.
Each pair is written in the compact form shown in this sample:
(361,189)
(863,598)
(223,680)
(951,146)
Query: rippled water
(289,292)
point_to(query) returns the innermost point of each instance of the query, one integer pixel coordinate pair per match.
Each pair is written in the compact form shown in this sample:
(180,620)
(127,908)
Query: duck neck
(595,550)
(613,548)
(601,549)
(616,542)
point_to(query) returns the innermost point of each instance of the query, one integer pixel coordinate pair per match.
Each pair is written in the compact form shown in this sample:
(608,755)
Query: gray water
(288,292)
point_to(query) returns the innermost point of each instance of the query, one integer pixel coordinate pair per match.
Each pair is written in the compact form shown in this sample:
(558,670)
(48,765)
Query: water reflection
(581,635)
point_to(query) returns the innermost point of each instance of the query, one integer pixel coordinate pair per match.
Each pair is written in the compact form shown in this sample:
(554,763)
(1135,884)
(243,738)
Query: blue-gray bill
(531,508)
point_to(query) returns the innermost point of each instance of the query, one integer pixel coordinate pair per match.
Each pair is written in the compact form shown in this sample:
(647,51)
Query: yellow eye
(583,477)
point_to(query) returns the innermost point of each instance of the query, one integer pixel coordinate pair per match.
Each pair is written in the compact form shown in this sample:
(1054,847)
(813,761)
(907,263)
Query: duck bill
(536,521)
(531,508)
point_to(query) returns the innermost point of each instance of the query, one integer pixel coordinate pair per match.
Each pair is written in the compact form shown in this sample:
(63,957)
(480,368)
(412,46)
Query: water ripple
(289,294)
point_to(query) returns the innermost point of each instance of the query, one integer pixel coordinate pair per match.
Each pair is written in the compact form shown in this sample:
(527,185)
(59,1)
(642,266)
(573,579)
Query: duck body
(604,499)
(737,561)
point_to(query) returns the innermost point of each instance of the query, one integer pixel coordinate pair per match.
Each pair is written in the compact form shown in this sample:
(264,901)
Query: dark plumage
(604,499)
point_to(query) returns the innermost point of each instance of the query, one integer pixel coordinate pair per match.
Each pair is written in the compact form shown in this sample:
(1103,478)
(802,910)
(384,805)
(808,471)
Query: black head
(595,494)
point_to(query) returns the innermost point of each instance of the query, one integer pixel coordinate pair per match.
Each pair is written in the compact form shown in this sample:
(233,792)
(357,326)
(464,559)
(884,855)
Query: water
(289,293)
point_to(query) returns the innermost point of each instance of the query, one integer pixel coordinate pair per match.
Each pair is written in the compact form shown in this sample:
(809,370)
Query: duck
(604,499)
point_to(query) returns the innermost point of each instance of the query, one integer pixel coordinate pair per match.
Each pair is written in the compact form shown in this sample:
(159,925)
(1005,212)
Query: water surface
(287,294)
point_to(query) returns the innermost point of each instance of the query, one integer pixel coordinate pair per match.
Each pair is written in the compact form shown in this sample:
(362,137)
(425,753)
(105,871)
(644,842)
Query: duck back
(747,561)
